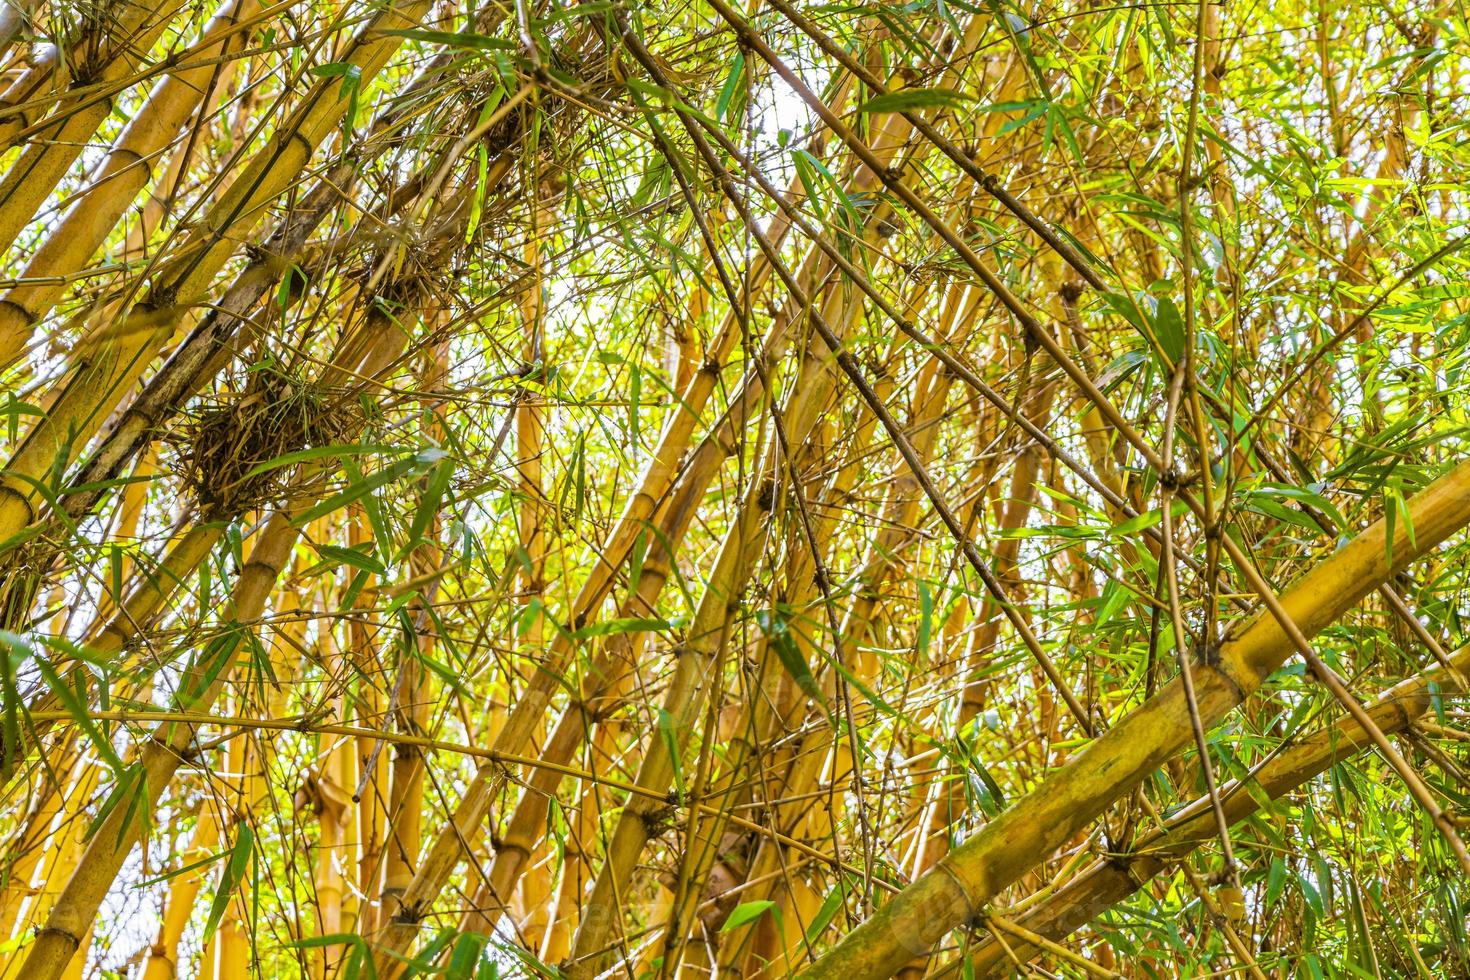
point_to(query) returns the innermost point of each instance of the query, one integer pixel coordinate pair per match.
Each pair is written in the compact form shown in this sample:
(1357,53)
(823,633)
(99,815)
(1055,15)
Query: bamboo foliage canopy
(706,490)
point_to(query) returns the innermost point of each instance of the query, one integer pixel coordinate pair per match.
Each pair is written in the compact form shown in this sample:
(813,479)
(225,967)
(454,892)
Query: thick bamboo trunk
(1065,802)
(101,374)
(51,152)
(1099,887)
(117,181)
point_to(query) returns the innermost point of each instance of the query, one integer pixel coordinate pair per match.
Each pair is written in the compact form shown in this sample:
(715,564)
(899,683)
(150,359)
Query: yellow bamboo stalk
(533,512)
(699,657)
(96,381)
(123,173)
(337,844)
(231,945)
(1075,794)
(708,873)
(163,955)
(602,686)
(949,806)
(248,759)
(449,846)
(159,756)
(336,847)
(66,844)
(1107,883)
(1025,472)
(406,790)
(24,853)
(779,702)
(372,767)
(47,158)
(771,946)
(578,858)
(659,474)
(117,632)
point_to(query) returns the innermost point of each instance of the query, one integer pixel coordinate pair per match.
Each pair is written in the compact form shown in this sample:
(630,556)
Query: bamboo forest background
(713,489)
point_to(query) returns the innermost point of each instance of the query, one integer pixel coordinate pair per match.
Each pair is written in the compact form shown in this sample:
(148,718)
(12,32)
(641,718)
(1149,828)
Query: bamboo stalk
(768,949)
(406,786)
(99,375)
(659,474)
(698,660)
(125,171)
(1072,796)
(1106,883)
(158,757)
(47,158)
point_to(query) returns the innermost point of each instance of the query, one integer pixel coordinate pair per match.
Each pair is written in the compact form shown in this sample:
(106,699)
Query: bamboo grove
(705,490)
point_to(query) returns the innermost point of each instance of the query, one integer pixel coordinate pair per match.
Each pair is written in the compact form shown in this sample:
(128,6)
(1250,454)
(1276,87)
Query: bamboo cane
(160,755)
(659,474)
(710,865)
(124,172)
(699,659)
(611,670)
(45,161)
(406,787)
(881,563)
(95,384)
(1066,801)
(1107,883)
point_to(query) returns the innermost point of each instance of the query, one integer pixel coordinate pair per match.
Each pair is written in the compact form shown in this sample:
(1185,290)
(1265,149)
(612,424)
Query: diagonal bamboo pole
(699,657)
(125,171)
(962,884)
(49,154)
(613,666)
(453,841)
(100,374)
(1109,882)
(160,755)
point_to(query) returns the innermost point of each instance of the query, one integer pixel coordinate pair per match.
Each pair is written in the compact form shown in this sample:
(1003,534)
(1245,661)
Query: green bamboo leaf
(454,39)
(912,99)
(779,633)
(826,913)
(746,913)
(357,489)
(1169,329)
(230,878)
(734,83)
(324,452)
(356,557)
(428,507)
(631,625)
(465,956)
(73,707)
